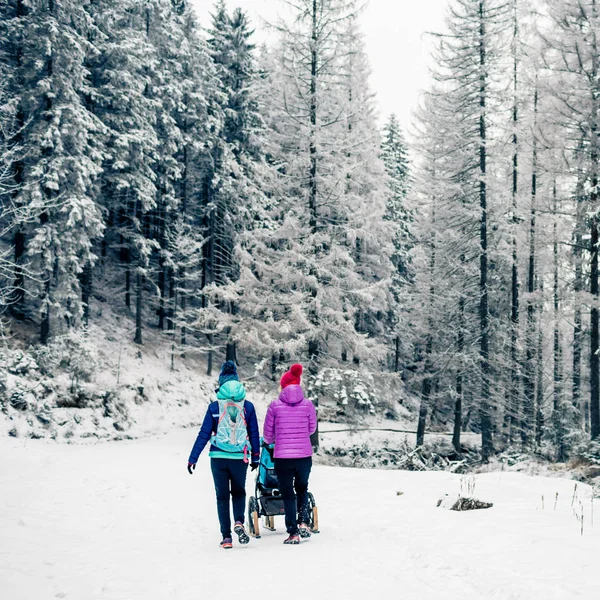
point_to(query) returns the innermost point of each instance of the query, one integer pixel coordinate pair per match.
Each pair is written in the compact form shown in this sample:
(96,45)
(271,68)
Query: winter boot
(293,539)
(241,533)
(303,530)
(226,543)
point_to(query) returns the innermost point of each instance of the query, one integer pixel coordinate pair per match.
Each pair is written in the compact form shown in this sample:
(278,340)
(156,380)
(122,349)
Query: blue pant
(293,474)
(229,475)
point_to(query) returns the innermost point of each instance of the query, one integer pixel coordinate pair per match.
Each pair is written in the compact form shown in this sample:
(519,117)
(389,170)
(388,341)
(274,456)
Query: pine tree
(62,146)
(574,50)
(395,158)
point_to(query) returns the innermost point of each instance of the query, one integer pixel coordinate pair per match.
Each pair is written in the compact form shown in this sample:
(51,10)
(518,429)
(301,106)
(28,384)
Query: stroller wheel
(313,514)
(253,526)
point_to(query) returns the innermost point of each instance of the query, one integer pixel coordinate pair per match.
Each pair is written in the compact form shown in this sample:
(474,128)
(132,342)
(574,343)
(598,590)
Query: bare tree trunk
(428,366)
(460,346)
(425,397)
(139,285)
(313,344)
(86,291)
(172,299)
(313,356)
(577,289)
(18,296)
(162,276)
(594,315)
(558,408)
(539,396)
(528,425)
(513,405)
(487,447)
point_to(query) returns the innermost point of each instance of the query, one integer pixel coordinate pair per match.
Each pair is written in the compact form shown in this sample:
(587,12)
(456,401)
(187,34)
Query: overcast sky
(393,29)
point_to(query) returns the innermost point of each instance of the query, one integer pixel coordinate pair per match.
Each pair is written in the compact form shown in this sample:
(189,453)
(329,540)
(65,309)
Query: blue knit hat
(228,372)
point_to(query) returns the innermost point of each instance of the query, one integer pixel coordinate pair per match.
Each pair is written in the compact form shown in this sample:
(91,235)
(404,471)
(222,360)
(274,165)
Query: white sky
(393,29)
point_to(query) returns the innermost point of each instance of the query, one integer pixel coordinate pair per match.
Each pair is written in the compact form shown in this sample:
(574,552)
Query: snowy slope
(124,521)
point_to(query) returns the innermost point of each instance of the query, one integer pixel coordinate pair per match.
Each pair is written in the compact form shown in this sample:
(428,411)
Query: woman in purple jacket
(290,421)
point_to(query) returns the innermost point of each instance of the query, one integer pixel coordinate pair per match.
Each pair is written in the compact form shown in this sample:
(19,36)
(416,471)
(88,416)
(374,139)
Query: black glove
(191,467)
(254,466)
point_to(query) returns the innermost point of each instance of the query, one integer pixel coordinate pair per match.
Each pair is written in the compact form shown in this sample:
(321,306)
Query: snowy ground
(124,520)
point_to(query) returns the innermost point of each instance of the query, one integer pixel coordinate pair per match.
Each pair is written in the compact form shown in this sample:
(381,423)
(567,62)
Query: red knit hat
(291,377)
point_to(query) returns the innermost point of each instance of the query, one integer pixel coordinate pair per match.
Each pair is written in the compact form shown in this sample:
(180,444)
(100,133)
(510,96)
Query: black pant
(292,474)
(228,471)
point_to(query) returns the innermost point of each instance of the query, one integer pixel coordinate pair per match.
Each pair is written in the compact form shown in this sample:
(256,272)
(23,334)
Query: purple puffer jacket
(290,421)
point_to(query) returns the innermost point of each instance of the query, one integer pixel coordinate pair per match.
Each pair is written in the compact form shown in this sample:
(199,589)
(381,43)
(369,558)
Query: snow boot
(293,540)
(243,537)
(303,530)
(226,543)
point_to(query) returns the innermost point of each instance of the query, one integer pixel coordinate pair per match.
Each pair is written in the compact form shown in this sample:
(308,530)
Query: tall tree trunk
(313,343)
(313,357)
(460,346)
(124,252)
(528,425)
(139,285)
(183,305)
(487,447)
(44,217)
(577,289)
(593,207)
(172,299)
(428,363)
(594,332)
(86,291)
(18,296)
(425,395)
(45,322)
(539,396)
(513,405)
(162,276)
(208,263)
(558,408)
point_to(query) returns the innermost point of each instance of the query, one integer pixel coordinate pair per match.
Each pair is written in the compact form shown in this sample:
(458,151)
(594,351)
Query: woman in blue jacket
(229,425)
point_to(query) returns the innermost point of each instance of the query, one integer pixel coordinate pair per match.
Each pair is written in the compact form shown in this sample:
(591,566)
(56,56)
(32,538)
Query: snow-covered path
(124,520)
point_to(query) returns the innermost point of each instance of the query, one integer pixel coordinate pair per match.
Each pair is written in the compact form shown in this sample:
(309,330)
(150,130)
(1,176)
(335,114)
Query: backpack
(232,431)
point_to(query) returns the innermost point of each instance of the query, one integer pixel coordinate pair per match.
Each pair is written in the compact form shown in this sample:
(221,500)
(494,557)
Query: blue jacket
(209,426)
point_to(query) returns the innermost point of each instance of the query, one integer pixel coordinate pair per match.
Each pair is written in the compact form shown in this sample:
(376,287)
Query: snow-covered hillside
(125,521)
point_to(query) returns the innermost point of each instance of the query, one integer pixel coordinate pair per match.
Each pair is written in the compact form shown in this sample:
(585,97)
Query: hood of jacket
(292,394)
(231,390)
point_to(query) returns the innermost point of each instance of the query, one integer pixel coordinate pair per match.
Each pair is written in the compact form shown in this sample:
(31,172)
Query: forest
(249,202)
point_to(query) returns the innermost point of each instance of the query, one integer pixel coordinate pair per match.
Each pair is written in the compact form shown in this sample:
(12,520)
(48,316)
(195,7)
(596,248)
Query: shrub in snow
(589,453)
(18,362)
(356,391)
(74,353)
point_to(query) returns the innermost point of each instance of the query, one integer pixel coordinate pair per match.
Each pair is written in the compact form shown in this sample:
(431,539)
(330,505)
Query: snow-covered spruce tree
(121,75)
(467,67)
(317,281)
(573,50)
(199,120)
(165,35)
(11,216)
(444,300)
(62,145)
(395,158)
(236,171)
(366,199)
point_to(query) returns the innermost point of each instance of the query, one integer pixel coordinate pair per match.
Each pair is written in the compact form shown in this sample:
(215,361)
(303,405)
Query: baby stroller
(267,501)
